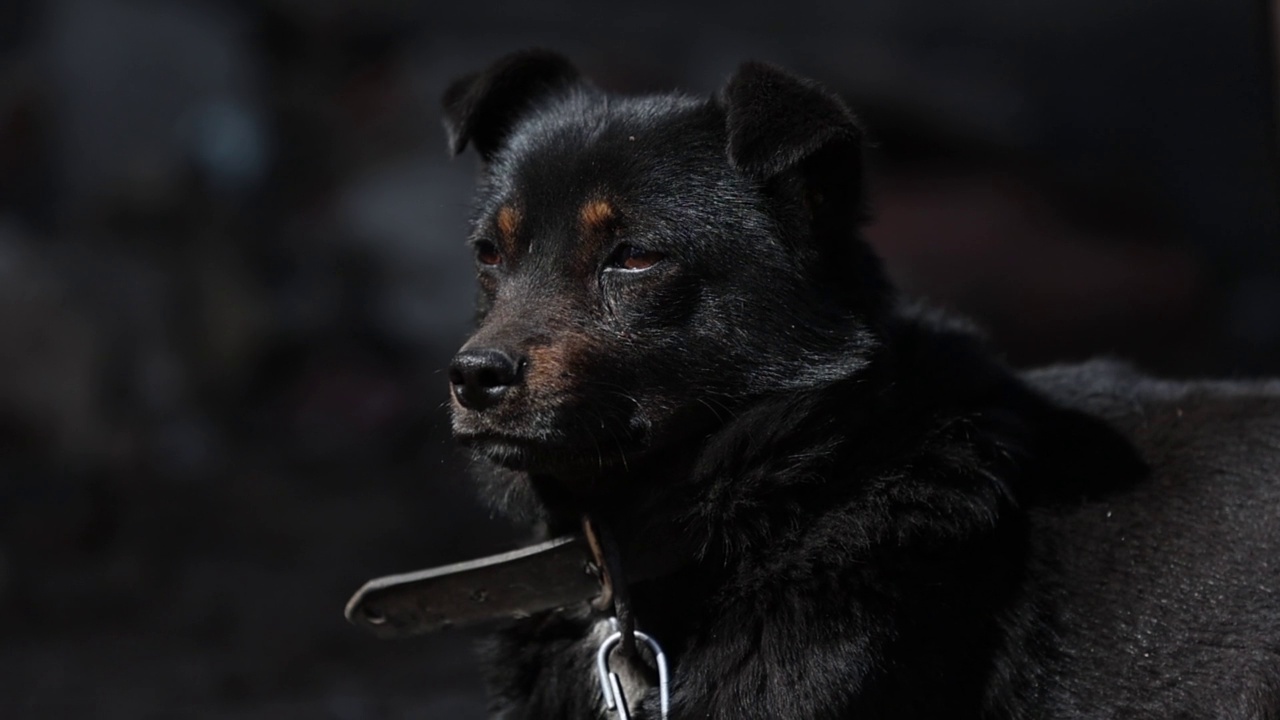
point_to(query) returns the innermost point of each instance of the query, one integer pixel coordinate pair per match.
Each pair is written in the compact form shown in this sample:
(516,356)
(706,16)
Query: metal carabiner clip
(611,685)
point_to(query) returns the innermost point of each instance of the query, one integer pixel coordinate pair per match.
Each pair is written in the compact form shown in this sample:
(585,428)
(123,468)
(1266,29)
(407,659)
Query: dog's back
(1169,590)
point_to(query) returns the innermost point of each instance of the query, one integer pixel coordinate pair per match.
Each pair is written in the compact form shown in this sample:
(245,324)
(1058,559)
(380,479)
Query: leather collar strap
(547,576)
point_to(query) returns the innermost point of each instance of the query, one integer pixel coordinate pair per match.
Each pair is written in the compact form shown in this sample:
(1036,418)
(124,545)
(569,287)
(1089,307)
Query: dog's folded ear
(483,107)
(777,122)
(805,147)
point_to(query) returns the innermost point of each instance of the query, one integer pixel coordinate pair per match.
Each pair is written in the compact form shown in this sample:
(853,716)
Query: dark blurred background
(232,267)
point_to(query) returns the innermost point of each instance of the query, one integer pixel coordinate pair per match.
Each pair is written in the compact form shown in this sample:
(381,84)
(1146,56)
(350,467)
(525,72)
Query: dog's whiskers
(622,454)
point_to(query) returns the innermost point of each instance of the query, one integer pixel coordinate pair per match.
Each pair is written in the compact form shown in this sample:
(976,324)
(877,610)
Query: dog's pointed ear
(482,108)
(777,121)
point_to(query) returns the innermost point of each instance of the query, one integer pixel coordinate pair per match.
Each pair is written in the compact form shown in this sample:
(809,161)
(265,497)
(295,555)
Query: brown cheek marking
(552,367)
(508,226)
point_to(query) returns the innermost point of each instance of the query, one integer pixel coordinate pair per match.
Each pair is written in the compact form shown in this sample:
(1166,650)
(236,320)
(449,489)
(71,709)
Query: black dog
(682,335)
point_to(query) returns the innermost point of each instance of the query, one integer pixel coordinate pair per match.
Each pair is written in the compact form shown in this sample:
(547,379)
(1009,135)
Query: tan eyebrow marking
(596,215)
(508,224)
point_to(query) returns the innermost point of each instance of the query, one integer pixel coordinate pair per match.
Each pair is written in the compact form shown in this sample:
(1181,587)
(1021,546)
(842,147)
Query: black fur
(881,520)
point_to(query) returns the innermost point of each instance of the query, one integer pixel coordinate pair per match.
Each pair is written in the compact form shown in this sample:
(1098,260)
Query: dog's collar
(547,576)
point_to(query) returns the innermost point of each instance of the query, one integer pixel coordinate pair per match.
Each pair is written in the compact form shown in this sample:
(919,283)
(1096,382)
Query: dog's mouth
(580,441)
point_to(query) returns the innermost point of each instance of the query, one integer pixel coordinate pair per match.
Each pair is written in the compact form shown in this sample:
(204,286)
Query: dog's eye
(487,253)
(630,257)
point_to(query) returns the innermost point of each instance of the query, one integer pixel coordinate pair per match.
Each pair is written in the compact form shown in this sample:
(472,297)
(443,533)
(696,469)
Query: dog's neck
(631,501)
(678,499)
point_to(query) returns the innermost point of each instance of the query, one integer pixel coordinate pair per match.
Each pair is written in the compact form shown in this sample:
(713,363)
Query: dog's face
(647,265)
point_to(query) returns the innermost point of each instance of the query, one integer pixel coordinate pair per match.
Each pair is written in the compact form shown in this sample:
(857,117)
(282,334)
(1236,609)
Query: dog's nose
(480,377)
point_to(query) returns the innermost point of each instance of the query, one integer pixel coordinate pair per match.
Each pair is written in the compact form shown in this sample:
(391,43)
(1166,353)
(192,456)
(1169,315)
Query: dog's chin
(542,457)
(504,453)
(513,455)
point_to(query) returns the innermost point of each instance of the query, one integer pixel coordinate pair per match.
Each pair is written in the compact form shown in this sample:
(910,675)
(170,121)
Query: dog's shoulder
(1105,384)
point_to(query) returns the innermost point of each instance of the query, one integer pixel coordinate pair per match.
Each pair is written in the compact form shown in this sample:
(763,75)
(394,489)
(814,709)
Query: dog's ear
(805,148)
(778,122)
(482,108)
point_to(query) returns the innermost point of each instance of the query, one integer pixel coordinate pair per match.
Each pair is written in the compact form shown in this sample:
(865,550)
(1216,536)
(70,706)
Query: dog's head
(648,265)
